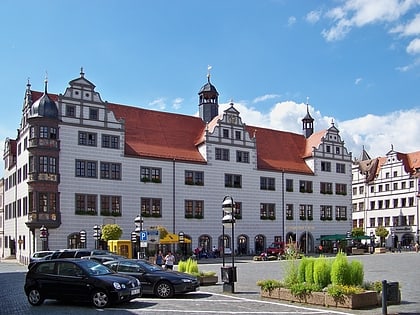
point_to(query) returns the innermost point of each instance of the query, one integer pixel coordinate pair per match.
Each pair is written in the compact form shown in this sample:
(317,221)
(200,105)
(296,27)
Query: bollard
(384,297)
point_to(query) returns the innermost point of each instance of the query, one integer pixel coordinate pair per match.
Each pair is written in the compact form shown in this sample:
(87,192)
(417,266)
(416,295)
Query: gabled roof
(162,135)
(411,161)
(280,150)
(156,134)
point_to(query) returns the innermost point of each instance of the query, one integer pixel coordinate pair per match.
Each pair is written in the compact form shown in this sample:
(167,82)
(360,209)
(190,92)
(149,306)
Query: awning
(334,237)
(361,237)
(171,238)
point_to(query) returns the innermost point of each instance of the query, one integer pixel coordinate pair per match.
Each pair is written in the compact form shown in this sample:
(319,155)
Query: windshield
(95,268)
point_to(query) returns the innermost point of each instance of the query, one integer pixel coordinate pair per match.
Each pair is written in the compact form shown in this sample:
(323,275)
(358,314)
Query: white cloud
(373,132)
(158,104)
(313,16)
(357,81)
(176,104)
(265,98)
(414,46)
(291,21)
(359,13)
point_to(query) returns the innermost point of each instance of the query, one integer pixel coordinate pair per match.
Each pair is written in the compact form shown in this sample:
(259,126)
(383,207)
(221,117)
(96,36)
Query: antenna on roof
(46,81)
(82,74)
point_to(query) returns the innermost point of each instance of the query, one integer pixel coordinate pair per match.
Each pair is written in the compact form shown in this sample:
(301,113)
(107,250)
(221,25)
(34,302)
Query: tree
(382,233)
(111,232)
(357,232)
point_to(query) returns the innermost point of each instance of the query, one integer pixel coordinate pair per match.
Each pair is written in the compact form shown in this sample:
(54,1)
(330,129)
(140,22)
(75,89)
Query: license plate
(135,291)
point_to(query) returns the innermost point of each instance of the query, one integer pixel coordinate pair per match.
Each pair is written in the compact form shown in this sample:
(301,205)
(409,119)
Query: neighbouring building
(386,193)
(79,162)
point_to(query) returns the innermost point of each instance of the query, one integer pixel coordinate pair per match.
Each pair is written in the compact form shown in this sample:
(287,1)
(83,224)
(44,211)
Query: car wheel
(100,299)
(164,290)
(35,297)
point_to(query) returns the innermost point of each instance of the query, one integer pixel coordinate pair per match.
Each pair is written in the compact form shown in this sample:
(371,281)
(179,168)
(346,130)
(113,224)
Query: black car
(154,279)
(79,280)
(103,258)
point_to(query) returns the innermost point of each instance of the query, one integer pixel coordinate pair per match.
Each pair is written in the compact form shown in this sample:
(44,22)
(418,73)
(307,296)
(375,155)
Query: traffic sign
(143,236)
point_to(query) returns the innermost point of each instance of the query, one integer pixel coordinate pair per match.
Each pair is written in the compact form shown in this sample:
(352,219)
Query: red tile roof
(161,135)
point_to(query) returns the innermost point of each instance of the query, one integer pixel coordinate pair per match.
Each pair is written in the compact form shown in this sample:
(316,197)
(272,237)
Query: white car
(40,255)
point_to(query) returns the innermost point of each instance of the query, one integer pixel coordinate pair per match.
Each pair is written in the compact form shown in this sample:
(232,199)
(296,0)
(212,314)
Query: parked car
(40,255)
(154,279)
(78,253)
(103,258)
(275,249)
(79,280)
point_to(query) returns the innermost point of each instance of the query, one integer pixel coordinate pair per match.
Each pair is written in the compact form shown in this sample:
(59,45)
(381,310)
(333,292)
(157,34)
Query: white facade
(328,160)
(386,193)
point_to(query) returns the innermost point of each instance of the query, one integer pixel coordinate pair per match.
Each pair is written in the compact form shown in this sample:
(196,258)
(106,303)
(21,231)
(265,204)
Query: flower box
(208,280)
(354,301)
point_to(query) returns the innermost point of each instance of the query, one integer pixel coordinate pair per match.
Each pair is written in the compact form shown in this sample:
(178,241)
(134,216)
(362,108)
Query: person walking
(159,259)
(169,261)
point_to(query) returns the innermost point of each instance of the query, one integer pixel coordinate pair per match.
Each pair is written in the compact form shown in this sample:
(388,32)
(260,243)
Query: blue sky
(357,62)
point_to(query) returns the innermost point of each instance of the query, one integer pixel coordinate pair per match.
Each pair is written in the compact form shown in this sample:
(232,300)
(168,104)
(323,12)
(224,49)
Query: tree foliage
(111,232)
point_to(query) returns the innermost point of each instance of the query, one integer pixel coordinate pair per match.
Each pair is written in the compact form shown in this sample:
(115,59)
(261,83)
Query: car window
(82,253)
(67,254)
(45,268)
(68,269)
(128,266)
(94,268)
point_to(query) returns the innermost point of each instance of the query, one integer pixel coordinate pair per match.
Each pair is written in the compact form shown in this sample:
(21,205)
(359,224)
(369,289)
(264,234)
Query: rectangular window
(267,211)
(372,222)
(341,189)
(387,203)
(111,206)
(380,221)
(110,170)
(242,157)
(403,185)
(150,174)
(112,142)
(194,209)
(326,212)
(93,114)
(306,212)
(326,188)
(87,138)
(232,180)
(289,211)
(225,133)
(386,187)
(222,154)
(305,186)
(289,185)
(70,111)
(238,135)
(341,213)
(194,178)
(238,210)
(267,183)
(326,166)
(340,168)
(43,132)
(86,168)
(86,204)
(151,207)
(361,190)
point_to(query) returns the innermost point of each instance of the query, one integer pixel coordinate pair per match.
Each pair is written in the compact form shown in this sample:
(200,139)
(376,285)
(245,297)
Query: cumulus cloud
(176,104)
(373,132)
(313,16)
(357,13)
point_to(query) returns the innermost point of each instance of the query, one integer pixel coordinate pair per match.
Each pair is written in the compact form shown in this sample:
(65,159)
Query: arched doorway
(242,245)
(306,243)
(407,240)
(204,244)
(259,244)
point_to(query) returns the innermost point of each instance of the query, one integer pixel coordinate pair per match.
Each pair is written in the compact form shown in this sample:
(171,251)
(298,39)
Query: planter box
(380,250)
(354,301)
(208,280)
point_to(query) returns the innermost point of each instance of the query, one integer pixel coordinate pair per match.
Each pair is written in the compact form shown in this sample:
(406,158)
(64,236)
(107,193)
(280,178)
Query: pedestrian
(416,246)
(399,247)
(169,261)
(159,259)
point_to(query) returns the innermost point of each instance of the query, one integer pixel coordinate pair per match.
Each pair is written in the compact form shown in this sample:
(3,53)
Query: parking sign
(143,236)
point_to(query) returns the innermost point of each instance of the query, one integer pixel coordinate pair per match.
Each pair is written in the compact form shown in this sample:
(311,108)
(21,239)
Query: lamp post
(138,221)
(82,235)
(97,235)
(43,234)
(181,239)
(393,239)
(228,220)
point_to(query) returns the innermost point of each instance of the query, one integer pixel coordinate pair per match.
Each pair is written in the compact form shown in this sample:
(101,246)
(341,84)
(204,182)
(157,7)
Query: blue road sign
(143,236)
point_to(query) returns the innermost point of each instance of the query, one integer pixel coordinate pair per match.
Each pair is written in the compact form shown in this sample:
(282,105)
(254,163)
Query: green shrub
(268,285)
(182,266)
(337,291)
(309,271)
(302,270)
(302,289)
(322,272)
(291,273)
(340,270)
(356,273)
(192,266)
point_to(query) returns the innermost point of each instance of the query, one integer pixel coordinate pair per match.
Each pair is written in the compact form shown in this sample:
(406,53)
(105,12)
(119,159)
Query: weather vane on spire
(208,72)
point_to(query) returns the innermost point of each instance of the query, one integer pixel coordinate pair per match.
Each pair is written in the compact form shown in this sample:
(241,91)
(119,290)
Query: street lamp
(43,234)
(181,238)
(82,235)
(393,238)
(138,221)
(97,235)
(228,220)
